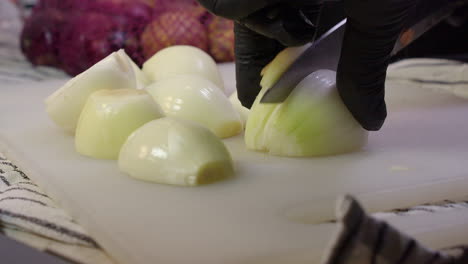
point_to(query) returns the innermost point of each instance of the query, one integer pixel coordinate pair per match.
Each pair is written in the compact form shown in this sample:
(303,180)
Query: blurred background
(72,35)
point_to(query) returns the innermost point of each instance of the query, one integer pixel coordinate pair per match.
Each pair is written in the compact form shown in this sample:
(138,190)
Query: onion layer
(181,59)
(177,152)
(194,98)
(312,121)
(109,117)
(242,110)
(65,105)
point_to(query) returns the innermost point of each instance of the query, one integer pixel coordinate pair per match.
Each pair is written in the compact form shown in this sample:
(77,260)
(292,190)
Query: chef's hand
(265,27)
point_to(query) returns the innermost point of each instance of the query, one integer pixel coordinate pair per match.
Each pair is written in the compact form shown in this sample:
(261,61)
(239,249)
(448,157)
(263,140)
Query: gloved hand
(265,27)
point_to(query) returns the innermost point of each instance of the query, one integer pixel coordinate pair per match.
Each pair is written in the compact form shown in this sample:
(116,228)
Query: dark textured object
(447,40)
(362,239)
(14,252)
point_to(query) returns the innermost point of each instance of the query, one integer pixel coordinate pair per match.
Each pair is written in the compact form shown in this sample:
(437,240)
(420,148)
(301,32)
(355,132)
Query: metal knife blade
(325,52)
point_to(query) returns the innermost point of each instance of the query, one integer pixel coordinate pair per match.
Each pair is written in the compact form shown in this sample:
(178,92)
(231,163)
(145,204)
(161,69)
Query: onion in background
(82,44)
(75,34)
(173,28)
(40,36)
(221,39)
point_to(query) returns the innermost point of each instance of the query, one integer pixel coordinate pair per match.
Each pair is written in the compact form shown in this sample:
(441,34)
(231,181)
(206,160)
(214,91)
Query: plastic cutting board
(269,212)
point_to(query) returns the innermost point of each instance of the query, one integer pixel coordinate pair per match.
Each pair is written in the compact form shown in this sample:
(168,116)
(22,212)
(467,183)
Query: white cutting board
(265,214)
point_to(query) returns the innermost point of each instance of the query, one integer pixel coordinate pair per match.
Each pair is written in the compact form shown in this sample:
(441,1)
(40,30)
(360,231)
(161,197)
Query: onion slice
(177,152)
(64,106)
(312,121)
(195,98)
(242,110)
(141,78)
(182,59)
(109,117)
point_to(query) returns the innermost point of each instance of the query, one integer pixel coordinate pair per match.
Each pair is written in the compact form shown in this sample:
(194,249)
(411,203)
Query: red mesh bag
(40,37)
(82,43)
(161,32)
(75,34)
(221,39)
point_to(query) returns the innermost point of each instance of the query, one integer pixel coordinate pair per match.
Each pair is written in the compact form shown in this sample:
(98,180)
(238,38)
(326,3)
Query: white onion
(242,110)
(312,121)
(181,59)
(109,117)
(194,98)
(65,105)
(175,151)
(141,78)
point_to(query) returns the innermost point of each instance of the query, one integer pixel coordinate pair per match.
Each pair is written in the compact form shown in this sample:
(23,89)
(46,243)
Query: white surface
(261,216)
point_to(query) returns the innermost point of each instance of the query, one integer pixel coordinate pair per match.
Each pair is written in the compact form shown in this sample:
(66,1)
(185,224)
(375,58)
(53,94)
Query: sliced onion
(260,113)
(109,117)
(312,121)
(242,110)
(177,152)
(141,78)
(181,59)
(194,98)
(65,105)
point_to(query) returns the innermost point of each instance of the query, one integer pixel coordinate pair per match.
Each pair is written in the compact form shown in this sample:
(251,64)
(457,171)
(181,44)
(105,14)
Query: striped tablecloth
(26,212)
(29,215)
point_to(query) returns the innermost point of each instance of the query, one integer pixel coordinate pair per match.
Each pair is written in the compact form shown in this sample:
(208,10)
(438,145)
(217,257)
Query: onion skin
(176,152)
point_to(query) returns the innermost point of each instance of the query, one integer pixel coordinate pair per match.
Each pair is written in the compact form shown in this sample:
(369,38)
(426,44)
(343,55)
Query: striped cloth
(362,239)
(21,201)
(29,215)
(442,75)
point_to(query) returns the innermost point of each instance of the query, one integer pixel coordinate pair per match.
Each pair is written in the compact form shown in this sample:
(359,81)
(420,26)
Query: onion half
(182,59)
(242,110)
(109,117)
(195,98)
(65,105)
(177,152)
(312,121)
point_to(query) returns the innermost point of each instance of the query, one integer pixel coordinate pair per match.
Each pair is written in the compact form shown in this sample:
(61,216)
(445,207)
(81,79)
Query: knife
(324,53)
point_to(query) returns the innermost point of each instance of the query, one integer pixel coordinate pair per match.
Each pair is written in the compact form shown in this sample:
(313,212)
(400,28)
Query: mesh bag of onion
(75,34)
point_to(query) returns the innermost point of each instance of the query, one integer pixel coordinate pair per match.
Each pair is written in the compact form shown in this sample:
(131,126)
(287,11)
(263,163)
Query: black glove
(263,28)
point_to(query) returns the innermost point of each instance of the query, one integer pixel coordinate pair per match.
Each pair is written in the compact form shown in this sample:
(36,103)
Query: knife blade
(325,52)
